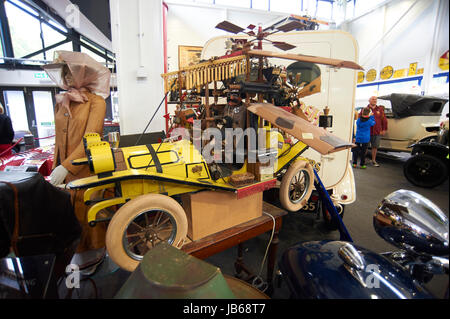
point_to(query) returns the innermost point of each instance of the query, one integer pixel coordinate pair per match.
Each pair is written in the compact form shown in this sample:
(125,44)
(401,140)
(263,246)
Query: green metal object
(169,273)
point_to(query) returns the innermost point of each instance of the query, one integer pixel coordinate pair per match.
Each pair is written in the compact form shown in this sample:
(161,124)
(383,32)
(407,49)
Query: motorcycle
(344,270)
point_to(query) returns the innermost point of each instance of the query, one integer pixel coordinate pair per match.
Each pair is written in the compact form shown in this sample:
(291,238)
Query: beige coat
(86,117)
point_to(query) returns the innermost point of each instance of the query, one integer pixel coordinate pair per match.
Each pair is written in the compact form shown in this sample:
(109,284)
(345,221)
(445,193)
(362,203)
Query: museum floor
(372,184)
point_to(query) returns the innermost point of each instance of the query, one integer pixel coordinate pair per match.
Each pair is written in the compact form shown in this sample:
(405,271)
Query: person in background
(362,138)
(378,129)
(6,133)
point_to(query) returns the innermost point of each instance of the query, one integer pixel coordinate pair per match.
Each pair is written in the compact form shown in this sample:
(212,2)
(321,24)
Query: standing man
(378,129)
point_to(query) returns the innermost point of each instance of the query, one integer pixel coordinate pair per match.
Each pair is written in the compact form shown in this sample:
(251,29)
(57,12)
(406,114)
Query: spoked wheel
(140,225)
(424,170)
(296,186)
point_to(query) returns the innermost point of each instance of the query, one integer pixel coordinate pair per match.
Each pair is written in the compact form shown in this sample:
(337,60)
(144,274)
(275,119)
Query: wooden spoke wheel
(296,186)
(141,224)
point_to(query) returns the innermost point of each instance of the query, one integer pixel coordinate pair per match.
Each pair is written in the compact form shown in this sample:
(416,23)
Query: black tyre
(424,170)
(330,223)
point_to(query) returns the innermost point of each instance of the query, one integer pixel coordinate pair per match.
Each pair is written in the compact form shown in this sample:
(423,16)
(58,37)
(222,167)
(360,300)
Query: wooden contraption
(204,73)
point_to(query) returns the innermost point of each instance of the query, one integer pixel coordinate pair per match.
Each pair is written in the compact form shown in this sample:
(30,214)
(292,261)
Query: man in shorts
(378,129)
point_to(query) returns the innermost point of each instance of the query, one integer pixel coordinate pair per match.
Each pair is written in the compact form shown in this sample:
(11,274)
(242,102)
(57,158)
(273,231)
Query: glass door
(17,111)
(45,120)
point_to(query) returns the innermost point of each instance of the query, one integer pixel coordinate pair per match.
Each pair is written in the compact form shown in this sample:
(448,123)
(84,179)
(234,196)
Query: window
(66,47)
(349,14)
(324,9)
(33,31)
(309,7)
(92,55)
(45,121)
(288,6)
(95,56)
(51,36)
(15,102)
(25,32)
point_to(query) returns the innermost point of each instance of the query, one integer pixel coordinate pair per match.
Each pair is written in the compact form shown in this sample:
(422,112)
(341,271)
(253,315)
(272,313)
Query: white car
(411,118)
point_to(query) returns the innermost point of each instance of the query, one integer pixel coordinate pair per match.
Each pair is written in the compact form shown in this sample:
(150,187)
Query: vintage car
(415,226)
(411,119)
(428,165)
(145,179)
(145,182)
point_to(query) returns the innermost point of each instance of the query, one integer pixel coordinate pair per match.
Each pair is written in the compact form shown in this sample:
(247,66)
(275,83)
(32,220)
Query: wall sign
(361,76)
(399,73)
(443,61)
(40,75)
(386,72)
(371,75)
(412,69)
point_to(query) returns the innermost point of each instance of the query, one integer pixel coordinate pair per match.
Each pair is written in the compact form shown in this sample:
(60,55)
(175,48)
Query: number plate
(311,205)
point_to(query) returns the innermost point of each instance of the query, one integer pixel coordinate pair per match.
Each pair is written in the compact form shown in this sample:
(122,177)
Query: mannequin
(79,110)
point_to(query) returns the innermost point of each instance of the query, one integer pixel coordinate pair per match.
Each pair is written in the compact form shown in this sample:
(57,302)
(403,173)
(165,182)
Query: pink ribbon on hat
(72,94)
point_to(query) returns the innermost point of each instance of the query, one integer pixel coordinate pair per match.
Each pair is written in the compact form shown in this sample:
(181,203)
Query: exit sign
(40,75)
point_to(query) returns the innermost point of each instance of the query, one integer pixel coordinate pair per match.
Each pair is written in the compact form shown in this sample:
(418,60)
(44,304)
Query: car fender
(431,148)
(316,270)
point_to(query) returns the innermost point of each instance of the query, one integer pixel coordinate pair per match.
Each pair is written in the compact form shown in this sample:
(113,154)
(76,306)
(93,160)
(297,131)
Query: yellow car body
(169,168)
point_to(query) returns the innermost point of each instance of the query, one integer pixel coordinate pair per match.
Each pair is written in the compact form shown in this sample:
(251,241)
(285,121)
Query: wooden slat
(315,137)
(307,58)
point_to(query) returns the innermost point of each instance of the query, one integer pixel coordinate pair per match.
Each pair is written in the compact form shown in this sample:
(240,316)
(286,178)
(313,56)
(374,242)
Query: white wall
(138,98)
(403,32)
(194,25)
(24,78)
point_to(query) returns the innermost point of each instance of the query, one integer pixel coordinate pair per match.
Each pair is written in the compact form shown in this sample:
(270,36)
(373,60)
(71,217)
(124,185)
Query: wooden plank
(315,137)
(307,58)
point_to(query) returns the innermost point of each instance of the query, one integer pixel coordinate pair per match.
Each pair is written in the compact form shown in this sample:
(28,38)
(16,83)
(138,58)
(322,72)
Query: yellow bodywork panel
(92,213)
(287,153)
(179,168)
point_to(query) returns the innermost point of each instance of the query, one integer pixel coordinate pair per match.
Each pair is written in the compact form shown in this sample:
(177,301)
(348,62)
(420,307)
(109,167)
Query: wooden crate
(262,171)
(209,212)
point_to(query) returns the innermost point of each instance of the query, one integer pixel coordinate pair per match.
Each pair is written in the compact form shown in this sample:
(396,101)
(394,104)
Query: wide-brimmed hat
(86,72)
